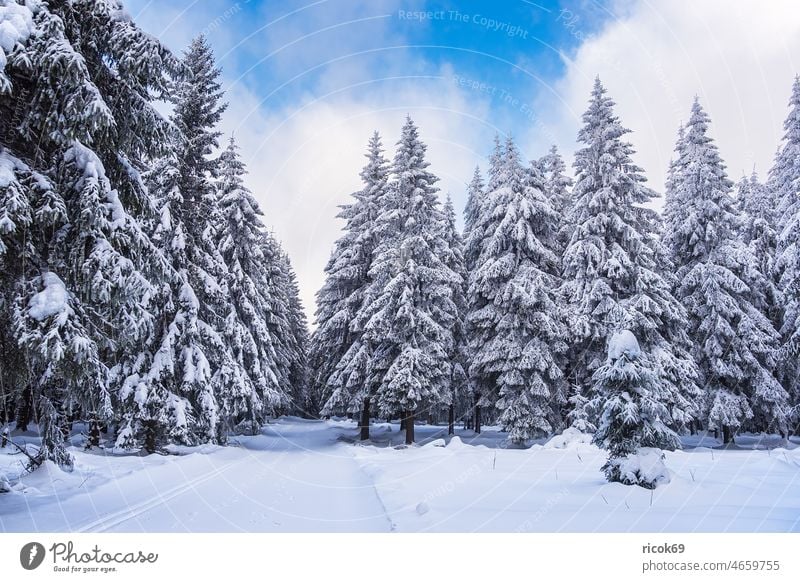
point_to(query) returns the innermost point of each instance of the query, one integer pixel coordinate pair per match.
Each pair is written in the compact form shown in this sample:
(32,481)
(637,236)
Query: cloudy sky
(308,81)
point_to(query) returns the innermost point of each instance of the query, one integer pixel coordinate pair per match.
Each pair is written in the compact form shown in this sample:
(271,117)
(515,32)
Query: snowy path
(308,476)
(296,476)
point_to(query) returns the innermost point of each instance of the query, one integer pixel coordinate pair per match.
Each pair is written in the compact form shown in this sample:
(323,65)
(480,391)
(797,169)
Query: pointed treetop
(448,206)
(598,88)
(232,166)
(376,171)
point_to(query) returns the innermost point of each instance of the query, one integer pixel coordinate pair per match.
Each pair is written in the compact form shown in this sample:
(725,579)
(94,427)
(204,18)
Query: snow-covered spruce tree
(192,375)
(756,206)
(460,398)
(297,389)
(246,330)
(784,189)
(338,356)
(631,428)
(782,181)
(615,270)
(515,338)
(30,209)
(580,412)
(475,197)
(410,313)
(475,219)
(557,187)
(278,318)
(76,117)
(472,242)
(718,281)
(52,447)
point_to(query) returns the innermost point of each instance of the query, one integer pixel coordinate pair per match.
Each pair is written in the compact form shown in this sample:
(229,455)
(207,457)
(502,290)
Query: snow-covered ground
(313,476)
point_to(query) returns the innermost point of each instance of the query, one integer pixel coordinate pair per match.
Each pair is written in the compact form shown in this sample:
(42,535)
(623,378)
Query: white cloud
(740,57)
(304,160)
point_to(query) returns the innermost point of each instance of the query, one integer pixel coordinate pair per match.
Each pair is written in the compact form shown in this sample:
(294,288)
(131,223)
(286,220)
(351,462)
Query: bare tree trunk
(94,434)
(727,435)
(150,436)
(409,427)
(365,420)
(451,420)
(477,416)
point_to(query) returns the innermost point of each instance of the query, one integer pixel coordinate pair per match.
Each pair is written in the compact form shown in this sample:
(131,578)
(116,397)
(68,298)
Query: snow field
(314,476)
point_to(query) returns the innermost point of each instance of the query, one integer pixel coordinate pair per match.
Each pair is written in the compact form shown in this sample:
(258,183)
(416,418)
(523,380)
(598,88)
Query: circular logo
(31,555)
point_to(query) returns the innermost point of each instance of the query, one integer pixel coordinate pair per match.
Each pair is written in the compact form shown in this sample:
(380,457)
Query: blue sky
(309,80)
(284,50)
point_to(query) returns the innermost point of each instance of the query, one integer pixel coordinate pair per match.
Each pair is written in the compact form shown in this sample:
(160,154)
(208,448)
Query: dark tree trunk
(403,421)
(451,420)
(24,410)
(410,428)
(727,435)
(94,434)
(477,419)
(365,420)
(150,437)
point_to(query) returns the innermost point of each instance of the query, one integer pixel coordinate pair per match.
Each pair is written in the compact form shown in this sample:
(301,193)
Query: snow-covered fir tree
(718,281)
(616,273)
(756,206)
(784,190)
(459,396)
(246,329)
(297,389)
(475,197)
(192,373)
(475,218)
(557,187)
(338,356)
(476,194)
(279,318)
(579,416)
(409,314)
(514,336)
(556,182)
(782,181)
(631,426)
(78,128)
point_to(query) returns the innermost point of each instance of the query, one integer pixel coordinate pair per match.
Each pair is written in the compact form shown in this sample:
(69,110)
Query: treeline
(510,321)
(140,290)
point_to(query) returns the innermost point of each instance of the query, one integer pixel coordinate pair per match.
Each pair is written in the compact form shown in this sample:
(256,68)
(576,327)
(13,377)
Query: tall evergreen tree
(460,397)
(783,176)
(475,196)
(514,338)
(557,184)
(614,267)
(476,215)
(338,357)
(192,373)
(718,282)
(278,317)
(557,187)
(78,127)
(784,189)
(246,329)
(755,204)
(298,391)
(410,313)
